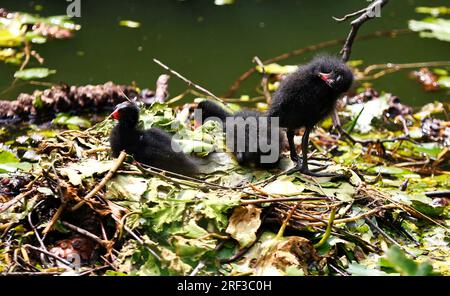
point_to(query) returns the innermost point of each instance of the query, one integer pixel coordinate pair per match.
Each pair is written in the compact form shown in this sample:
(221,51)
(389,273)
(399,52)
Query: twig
(61,207)
(199,266)
(105,179)
(31,273)
(276,200)
(137,238)
(345,17)
(236,84)
(36,233)
(355,218)
(264,80)
(106,244)
(16,199)
(285,222)
(371,68)
(366,14)
(190,83)
(65,262)
(443,193)
(385,235)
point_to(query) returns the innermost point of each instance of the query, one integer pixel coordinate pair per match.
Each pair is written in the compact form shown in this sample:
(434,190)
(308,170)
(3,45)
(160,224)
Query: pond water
(213,45)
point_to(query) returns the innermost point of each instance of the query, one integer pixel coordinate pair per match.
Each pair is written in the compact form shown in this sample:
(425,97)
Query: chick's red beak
(325,76)
(115,114)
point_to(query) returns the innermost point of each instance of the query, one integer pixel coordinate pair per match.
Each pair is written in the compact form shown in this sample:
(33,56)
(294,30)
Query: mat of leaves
(69,208)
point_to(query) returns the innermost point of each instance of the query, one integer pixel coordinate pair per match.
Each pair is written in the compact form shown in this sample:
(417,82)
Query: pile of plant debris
(67,207)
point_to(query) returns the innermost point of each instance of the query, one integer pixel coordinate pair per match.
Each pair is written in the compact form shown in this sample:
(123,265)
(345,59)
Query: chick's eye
(339,78)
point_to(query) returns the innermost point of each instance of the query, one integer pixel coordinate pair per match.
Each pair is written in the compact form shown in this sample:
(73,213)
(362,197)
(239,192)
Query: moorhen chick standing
(153,147)
(253,134)
(306,97)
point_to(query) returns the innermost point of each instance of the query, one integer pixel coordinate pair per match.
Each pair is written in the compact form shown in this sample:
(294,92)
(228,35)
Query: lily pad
(34,73)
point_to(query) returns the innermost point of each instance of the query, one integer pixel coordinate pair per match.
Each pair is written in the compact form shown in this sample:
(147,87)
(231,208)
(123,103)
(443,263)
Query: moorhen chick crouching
(252,138)
(153,147)
(306,97)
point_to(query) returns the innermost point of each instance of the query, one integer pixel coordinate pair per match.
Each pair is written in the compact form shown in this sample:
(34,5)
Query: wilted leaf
(284,186)
(173,263)
(278,254)
(192,248)
(243,224)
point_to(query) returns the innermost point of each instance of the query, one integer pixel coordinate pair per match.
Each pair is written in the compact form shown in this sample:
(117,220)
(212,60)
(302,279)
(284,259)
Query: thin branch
(443,193)
(190,83)
(285,222)
(276,200)
(65,262)
(16,199)
(105,180)
(244,76)
(345,17)
(137,238)
(106,244)
(264,80)
(357,23)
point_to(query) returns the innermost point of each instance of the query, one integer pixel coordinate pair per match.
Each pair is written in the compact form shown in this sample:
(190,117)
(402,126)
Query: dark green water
(213,45)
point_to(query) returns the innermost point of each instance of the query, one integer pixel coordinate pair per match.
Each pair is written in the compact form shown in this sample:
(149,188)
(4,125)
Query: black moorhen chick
(306,97)
(153,147)
(257,155)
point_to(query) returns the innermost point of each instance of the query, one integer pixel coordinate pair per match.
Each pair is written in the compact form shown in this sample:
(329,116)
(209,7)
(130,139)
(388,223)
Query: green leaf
(444,81)
(34,73)
(406,266)
(215,207)
(431,149)
(432,27)
(361,270)
(351,125)
(9,163)
(76,172)
(435,11)
(223,2)
(388,170)
(277,69)
(129,24)
(366,112)
(192,248)
(163,213)
(428,208)
(7,157)
(71,121)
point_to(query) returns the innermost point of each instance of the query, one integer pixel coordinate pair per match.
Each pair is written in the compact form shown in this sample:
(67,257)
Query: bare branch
(190,83)
(356,24)
(264,80)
